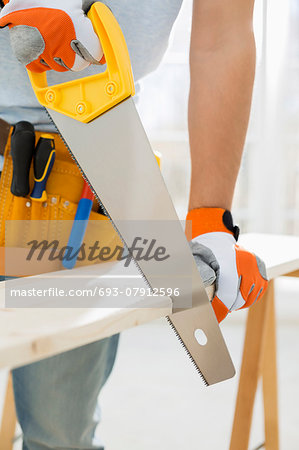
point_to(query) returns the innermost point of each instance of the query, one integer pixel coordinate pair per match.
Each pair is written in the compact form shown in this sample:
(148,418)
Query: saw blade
(116,159)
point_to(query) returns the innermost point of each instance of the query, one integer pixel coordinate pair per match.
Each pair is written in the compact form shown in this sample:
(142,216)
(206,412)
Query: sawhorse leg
(259,359)
(9,419)
(269,376)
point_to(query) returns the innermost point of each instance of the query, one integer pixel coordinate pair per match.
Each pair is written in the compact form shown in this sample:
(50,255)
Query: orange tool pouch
(64,188)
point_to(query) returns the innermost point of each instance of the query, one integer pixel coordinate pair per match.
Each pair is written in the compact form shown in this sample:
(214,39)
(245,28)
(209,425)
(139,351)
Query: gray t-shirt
(146,26)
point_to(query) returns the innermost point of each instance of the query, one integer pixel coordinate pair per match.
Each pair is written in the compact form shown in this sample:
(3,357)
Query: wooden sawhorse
(259,354)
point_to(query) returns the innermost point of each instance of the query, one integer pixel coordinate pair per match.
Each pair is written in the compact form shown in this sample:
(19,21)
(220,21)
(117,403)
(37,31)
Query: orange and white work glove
(239,275)
(51,34)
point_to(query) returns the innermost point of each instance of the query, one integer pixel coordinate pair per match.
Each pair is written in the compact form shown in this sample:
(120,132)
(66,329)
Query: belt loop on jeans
(4,133)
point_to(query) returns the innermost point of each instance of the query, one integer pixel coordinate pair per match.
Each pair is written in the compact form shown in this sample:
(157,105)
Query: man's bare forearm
(222,66)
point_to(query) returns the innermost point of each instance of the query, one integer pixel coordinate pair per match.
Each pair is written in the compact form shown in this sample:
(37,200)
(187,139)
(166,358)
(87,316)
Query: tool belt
(64,189)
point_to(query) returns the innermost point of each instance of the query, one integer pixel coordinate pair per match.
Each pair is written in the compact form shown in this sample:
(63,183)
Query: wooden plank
(295,273)
(280,252)
(269,377)
(29,334)
(9,419)
(250,371)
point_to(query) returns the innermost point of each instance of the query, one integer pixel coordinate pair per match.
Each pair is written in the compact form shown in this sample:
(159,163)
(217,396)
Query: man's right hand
(51,34)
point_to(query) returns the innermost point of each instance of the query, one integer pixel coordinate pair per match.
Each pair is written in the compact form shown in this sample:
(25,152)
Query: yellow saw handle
(87,98)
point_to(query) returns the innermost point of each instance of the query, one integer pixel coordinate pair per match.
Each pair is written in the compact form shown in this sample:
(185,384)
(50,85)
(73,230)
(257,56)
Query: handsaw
(98,121)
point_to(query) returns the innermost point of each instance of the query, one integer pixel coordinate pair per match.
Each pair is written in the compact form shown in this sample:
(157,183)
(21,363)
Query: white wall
(267,194)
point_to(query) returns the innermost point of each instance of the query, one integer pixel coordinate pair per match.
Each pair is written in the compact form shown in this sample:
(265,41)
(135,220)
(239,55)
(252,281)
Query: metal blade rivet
(50,96)
(111,88)
(81,108)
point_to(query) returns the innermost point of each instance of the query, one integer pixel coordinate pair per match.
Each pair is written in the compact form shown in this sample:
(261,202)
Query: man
(56,398)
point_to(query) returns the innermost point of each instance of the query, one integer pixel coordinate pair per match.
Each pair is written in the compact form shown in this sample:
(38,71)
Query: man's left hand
(239,275)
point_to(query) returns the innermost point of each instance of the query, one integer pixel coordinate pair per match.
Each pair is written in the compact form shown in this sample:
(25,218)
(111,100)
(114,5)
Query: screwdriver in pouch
(43,161)
(79,227)
(22,149)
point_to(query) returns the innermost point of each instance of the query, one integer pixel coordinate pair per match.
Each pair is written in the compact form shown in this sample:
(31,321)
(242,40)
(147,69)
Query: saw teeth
(136,264)
(187,351)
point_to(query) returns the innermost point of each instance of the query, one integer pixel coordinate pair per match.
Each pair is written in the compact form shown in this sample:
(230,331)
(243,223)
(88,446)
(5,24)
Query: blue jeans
(57,398)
